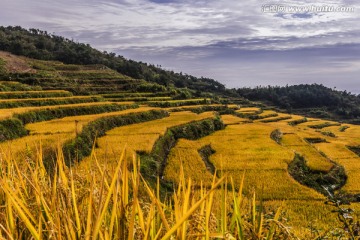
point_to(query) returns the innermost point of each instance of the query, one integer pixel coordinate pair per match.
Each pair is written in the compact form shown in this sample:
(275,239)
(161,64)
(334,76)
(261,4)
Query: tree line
(342,103)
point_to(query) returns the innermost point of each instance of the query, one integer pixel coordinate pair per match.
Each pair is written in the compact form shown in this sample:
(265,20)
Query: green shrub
(275,119)
(48,102)
(7,86)
(11,128)
(276,135)
(315,140)
(166,104)
(343,128)
(48,114)
(34,94)
(256,117)
(354,149)
(296,122)
(323,182)
(328,133)
(324,125)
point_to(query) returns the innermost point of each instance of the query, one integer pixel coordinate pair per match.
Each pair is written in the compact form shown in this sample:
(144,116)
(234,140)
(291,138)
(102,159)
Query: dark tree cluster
(305,96)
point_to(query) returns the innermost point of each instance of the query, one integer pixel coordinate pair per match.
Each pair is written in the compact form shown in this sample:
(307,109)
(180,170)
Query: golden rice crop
(292,139)
(307,219)
(296,117)
(346,158)
(140,137)
(70,205)
(67,124)
(186,155)
(159,126)
(267,112)
(351,136)
(279,117)
(335,151)
(233,106)
(231,119)
(314,160)
(9,112)
(249,147)
(352,183)
(273,184)
(248,109)
(54,132)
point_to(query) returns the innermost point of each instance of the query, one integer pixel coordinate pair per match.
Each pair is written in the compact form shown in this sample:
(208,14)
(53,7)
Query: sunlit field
(105,196)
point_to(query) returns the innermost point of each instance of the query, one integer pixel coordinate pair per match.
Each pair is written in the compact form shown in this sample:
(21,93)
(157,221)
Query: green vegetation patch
(276,135)
(2,66)
(324,125)
(343,128)
(323,182)
(354,149)
(205,152)
(49,114)
(258,117)
(48,102)
(329,134)
(315,140)
(7,86)
(34,94)
(298,121)
(275,119)
(11,128)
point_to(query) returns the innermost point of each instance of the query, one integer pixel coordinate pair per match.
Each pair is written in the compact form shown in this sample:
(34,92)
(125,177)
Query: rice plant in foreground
(117,203)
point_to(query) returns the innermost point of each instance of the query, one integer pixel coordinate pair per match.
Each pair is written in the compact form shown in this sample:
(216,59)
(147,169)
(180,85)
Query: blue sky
(234,42)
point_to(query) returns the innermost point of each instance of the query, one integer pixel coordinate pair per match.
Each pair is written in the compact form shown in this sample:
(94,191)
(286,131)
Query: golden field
(140,137)
(243,148)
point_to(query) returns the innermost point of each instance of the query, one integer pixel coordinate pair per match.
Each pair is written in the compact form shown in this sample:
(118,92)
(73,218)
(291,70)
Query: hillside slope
(41,45)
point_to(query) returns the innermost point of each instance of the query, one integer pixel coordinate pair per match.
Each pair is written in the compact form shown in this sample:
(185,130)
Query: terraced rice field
(245,145)
(140,137)
(57,131)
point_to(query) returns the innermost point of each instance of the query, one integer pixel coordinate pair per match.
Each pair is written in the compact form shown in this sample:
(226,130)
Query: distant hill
(78,79)
(312,100)
(38,44)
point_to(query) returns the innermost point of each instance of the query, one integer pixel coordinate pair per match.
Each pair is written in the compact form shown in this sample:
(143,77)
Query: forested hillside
(42,45)
(316,99)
